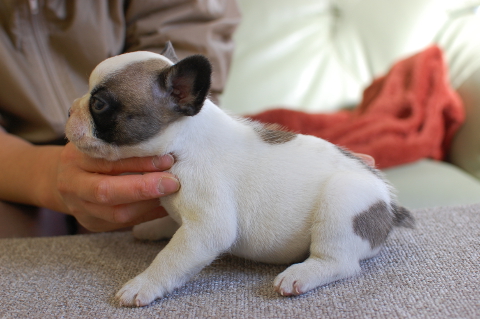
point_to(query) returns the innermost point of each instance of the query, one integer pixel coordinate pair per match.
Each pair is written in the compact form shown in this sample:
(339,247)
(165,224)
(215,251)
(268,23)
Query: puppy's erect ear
(188,83)
(169,52)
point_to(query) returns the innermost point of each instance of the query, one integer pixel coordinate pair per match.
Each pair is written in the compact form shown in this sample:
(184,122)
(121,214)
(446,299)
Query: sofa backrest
(319,55)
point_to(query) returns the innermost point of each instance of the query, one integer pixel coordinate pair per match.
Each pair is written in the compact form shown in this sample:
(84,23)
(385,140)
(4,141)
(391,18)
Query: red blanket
(408,114)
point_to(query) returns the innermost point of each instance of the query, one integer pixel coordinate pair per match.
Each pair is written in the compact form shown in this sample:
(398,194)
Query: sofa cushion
(465,149)
(429,183)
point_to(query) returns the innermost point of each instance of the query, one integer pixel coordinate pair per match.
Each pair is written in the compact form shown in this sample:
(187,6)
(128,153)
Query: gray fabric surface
(430,272)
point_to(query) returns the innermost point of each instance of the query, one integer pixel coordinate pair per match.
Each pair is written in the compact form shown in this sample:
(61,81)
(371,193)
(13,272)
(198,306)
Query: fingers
(93,191)
(156,213)
(117,190)
(134,164)
(121,216)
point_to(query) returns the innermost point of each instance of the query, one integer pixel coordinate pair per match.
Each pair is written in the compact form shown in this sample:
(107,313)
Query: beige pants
(27,221)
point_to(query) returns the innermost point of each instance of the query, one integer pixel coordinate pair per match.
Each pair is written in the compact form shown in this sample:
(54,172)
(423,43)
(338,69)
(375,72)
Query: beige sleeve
(194,27)
(2,124)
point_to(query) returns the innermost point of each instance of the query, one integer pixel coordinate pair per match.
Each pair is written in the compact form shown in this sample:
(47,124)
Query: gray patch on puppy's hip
(374,224)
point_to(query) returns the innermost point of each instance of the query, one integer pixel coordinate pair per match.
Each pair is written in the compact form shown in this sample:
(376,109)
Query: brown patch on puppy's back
(374,224)
(274,133)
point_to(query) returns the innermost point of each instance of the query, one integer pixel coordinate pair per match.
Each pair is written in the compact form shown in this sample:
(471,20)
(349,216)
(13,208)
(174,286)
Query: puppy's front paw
(139,292)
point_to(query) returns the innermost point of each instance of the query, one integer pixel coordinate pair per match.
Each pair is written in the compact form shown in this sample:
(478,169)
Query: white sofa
(319,55)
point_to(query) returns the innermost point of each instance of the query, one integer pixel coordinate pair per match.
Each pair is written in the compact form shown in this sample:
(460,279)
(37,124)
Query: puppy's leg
(194,245)
(157,229)
(335,249)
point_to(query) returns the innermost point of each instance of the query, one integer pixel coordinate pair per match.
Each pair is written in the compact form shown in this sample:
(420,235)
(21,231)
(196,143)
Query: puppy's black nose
(69,112)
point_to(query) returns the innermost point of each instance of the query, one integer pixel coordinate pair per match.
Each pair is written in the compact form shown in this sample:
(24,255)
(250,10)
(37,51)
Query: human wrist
(46,192)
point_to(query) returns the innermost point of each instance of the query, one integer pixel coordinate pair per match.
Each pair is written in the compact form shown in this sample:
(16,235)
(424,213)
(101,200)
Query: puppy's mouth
(88,145)
(92,147)
(80,134)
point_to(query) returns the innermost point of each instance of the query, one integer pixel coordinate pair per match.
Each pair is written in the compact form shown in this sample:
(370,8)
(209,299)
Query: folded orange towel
(408,114)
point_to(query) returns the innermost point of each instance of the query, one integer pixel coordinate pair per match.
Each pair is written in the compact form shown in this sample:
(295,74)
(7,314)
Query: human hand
(92,190)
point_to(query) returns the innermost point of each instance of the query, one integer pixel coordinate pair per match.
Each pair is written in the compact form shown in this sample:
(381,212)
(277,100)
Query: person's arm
(66,180)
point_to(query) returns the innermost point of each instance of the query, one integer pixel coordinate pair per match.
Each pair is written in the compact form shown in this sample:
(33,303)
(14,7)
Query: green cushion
(429,183)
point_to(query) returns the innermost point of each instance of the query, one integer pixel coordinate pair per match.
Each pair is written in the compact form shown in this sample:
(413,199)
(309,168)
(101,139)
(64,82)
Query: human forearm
(93,190)
(27,172)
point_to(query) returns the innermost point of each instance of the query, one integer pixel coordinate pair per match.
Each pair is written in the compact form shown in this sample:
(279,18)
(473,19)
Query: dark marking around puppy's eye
(144,97)
(133,113)
(274,133)
(374,224)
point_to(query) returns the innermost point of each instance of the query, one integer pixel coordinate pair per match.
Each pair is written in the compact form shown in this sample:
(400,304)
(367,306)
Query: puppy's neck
(209,129)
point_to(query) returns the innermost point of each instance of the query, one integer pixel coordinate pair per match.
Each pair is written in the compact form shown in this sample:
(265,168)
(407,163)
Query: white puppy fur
(247,189)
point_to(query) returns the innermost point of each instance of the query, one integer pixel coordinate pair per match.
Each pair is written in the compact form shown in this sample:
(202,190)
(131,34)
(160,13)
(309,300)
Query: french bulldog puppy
(248,189)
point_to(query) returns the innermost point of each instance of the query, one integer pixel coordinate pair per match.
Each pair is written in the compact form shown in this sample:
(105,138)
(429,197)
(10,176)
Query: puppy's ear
(169,52)
(188,83)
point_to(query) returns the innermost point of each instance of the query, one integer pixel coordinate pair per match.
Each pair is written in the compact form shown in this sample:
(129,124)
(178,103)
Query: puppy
(250,190)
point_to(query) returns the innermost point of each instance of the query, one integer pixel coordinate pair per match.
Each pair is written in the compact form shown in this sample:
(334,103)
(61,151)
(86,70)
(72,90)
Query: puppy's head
(132,98)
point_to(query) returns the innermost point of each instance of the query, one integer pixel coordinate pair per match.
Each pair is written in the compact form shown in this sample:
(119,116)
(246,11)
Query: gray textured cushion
(432,271)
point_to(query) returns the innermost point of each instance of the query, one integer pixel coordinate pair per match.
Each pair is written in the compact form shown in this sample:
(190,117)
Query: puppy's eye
(97,105)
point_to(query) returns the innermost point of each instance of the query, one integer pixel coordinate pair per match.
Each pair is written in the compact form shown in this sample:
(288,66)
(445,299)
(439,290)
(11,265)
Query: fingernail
(162,162)
(168,185)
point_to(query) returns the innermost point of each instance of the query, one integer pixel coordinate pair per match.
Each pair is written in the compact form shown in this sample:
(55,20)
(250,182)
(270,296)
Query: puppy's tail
(402,217)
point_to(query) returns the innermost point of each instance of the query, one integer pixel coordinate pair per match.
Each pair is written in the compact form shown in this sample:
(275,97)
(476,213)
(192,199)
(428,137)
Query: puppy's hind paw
(312,273)
(291,282)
